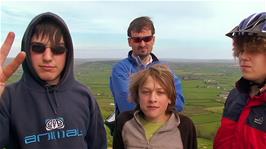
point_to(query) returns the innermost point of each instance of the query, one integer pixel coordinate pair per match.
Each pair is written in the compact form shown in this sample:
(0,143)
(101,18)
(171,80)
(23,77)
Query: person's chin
(144,55)
(249,77)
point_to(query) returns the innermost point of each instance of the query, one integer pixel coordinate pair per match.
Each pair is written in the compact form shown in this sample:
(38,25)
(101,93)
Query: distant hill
(168,60)
(200,60)
(82,60)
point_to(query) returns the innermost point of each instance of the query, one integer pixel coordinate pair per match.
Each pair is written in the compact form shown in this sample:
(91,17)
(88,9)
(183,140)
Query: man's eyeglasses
(40,48)
(139,39)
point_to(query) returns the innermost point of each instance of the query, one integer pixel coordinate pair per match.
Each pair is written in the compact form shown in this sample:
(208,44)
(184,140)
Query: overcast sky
(191,29)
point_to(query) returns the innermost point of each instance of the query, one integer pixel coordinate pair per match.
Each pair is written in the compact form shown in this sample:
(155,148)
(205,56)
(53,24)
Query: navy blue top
(34,115)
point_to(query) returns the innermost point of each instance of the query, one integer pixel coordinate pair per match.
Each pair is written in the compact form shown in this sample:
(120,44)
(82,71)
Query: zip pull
(263,89)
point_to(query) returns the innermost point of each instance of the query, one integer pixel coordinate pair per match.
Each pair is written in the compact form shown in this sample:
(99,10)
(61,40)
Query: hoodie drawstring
(50,89)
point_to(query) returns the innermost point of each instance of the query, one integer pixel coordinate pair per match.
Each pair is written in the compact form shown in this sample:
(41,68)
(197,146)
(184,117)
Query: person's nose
(243,56)
(142,43)
(153,97)
(47,54)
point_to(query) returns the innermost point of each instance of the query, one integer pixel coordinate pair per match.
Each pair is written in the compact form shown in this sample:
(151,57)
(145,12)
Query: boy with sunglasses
(47,107)
(243,125)
(141,39)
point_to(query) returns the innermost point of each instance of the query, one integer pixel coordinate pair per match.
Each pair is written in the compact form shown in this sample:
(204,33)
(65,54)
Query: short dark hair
(139,24)
(48,29)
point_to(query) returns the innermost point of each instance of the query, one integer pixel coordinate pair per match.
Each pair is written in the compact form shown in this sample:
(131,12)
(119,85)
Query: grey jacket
(177,133)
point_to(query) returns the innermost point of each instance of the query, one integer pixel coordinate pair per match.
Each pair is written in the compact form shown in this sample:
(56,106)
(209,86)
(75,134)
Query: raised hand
(8,70)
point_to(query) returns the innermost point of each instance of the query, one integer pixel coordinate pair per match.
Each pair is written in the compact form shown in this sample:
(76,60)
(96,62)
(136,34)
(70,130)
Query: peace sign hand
(6,72)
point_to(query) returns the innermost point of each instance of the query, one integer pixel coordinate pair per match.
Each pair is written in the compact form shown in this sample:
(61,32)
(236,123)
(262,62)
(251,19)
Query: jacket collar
(244,86)
(138,63)
(170,124)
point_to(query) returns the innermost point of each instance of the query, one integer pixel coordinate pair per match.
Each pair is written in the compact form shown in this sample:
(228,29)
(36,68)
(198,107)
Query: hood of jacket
(30,76)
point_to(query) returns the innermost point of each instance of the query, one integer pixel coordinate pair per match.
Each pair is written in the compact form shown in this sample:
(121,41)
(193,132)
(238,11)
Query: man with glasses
(47,107)
(141,39)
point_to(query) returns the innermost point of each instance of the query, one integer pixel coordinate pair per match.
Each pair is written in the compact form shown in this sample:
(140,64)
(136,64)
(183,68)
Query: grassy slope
(204,84)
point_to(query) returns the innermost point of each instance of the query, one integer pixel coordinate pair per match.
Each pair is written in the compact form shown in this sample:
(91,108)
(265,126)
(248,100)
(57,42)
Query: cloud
(103,24)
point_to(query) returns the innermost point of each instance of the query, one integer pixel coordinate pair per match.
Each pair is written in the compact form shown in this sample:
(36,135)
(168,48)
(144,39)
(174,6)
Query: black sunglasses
(40,48)
(139,39)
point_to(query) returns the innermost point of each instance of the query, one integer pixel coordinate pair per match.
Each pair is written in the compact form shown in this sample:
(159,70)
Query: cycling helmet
(254,25)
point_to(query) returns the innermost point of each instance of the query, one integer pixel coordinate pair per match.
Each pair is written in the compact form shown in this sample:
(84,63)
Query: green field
(205,86)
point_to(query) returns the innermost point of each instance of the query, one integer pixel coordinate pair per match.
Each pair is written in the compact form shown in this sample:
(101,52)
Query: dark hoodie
(34,115)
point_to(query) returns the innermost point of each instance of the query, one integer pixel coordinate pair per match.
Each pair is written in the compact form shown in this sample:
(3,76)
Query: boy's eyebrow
(153,88)
(143,87)
(61,43)
(35,42)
